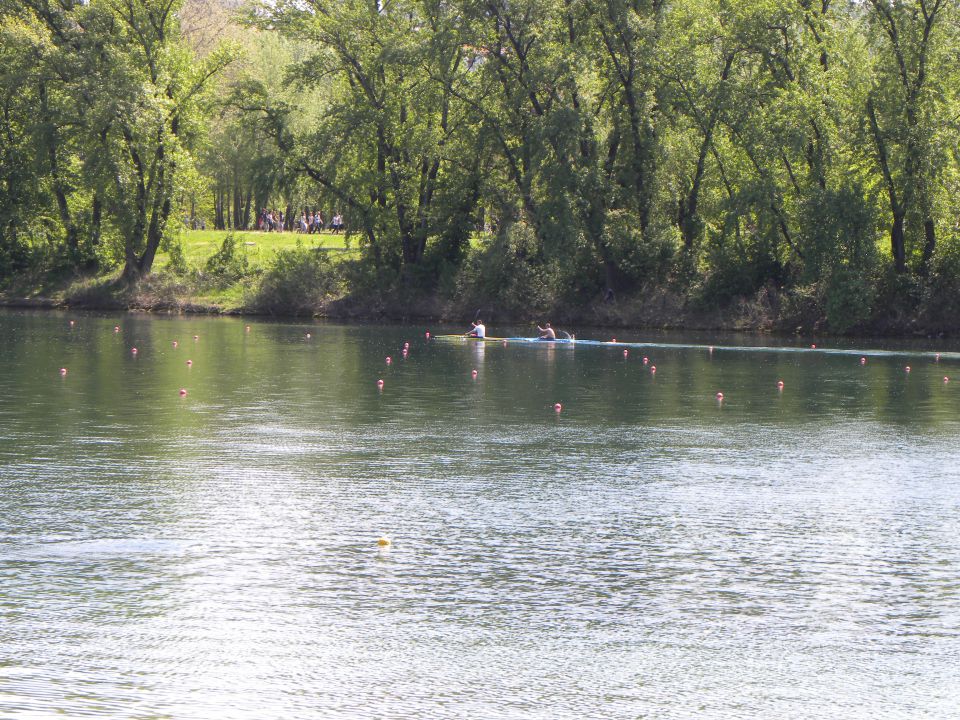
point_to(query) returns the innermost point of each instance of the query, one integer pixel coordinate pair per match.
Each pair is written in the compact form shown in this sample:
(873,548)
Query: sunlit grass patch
(260,247)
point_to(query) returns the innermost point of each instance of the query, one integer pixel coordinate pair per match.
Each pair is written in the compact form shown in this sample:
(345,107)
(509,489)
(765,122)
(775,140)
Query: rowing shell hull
(709,348)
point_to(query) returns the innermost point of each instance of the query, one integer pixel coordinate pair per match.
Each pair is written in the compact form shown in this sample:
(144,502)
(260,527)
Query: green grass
(260,247)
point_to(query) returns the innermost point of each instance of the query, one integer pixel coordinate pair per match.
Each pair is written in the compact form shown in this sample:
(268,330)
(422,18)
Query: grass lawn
(260,247)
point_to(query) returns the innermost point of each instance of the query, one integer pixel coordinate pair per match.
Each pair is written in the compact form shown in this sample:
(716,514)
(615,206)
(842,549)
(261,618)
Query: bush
(177,263)
(509,273)
(641,259)
(298,281)
(940,299)
(848,300)
(229,263)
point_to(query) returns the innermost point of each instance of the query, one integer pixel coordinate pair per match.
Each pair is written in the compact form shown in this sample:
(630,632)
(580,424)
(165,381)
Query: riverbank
(256,295)
(286,274)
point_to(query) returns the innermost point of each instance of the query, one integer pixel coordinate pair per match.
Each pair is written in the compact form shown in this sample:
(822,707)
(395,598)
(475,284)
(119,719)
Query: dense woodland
(519,154)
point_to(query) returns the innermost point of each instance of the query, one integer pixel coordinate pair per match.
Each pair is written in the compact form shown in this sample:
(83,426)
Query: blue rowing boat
(709,348)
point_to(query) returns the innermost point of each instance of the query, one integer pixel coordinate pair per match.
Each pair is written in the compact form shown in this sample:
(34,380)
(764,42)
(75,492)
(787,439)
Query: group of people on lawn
(309,223)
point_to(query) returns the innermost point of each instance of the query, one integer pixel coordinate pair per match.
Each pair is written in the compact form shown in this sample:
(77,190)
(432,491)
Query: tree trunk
(898,243)
(218,223)
(96,220)
(245,225)
(237,207)
(131,267)
(155,234)
(929,245)
(52,141)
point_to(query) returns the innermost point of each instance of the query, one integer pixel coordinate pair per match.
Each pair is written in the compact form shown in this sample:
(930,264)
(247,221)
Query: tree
(912,48)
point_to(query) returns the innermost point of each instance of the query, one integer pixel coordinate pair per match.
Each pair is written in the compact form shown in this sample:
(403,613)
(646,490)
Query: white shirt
(480,330)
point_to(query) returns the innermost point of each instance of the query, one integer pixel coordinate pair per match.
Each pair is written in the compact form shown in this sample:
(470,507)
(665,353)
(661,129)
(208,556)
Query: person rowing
(477,331)
(547,333)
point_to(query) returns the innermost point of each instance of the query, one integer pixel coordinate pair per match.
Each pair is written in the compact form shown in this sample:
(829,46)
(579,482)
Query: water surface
(647,552)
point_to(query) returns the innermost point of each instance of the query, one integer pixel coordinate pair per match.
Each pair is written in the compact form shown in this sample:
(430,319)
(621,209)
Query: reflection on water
(649,552)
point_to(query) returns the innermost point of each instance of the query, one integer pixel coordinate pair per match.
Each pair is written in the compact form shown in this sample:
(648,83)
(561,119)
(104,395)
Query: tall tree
(909,40)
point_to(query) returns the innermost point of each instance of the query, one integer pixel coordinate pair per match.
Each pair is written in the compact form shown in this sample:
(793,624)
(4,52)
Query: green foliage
(849,300)
(177,259)
(840,228)
(229,263)
(941,293)
(298,281)
(507,276)
(103,103)
(802,151)
(640,257)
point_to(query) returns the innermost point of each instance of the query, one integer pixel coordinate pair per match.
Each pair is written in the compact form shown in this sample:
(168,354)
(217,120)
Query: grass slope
(260,247)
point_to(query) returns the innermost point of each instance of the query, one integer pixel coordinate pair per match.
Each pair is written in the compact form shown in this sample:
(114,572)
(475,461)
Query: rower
(547,333)
(478,330)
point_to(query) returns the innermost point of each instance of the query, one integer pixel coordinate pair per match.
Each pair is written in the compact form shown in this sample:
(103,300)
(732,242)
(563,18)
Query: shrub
(229,263)
(508,272)
(177,263)
(640,258)
(298,282)
(848,300)
(940,300)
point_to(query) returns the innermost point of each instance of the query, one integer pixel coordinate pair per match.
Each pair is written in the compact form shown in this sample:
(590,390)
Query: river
(648,551)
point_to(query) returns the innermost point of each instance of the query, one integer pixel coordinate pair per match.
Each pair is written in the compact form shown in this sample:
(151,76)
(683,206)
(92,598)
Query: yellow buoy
(383,542)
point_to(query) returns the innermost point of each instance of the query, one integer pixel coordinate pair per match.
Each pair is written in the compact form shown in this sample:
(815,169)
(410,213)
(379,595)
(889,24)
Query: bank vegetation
(763,163)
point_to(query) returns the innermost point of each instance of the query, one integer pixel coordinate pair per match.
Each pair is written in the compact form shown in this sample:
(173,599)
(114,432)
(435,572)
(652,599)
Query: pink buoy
(133,351)
(557,407)
(646,360)
(626,353)
(406,346)
(946,379)
(116,328)
(813,347)
(720,396)
(473,374)
(863,361)
(63,371)
(780,384)
(380,384)
(176,344)
(389,359)
(189,363)
(183,392)
(907,369)
(653,369)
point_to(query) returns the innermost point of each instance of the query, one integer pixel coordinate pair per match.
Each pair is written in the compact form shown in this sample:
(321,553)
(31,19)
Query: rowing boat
(709,348)
(558,341)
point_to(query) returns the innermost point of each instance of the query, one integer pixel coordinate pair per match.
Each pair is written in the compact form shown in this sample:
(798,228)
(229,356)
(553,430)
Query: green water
(647,552)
